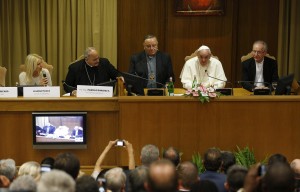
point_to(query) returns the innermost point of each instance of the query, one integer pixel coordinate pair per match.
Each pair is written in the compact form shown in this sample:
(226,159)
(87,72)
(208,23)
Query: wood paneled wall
(229,36)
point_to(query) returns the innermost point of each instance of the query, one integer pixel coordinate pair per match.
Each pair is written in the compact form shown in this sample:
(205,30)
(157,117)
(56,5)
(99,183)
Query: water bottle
(171,87)
(195,83)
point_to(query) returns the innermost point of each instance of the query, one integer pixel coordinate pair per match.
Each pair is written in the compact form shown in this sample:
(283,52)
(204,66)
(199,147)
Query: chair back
(3,71)
(249,55)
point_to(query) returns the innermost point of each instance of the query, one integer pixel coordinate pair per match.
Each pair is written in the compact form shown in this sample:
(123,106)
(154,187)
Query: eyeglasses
(151,46)
(257,52)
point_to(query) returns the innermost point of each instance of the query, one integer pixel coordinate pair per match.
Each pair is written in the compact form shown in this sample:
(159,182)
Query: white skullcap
(203,47)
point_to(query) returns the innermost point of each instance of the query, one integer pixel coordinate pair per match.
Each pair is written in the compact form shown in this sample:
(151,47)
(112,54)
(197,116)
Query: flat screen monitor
(134,84)
(284,85)
(59,130)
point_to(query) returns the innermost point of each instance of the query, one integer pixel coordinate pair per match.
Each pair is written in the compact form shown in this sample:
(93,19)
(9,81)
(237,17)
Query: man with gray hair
(204,69)
(8,168)
(115,179)
(56,180)
(23,183)
(91,70)
(259,68)
(149,154)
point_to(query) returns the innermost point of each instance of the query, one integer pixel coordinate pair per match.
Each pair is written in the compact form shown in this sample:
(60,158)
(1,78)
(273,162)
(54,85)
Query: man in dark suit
(92,70)
(152,64)
(259,68)
(48,129)
(212,163)
(77,132)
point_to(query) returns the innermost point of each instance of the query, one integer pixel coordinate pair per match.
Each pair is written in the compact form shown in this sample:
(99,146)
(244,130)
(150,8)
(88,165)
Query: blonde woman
(31,168)
(34,74)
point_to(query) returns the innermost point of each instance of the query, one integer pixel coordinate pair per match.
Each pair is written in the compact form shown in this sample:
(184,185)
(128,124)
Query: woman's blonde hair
(31,168)
(31,62)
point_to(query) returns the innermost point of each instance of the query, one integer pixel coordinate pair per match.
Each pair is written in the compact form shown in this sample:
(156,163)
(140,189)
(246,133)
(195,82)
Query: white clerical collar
(88,65)
(257,63)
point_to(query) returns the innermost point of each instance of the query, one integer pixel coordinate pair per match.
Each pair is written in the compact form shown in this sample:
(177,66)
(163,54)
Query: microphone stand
(224,89)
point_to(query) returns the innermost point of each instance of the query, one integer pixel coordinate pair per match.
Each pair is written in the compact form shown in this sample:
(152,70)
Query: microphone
(136,75)
(44,74)
(224,91)
(69,86)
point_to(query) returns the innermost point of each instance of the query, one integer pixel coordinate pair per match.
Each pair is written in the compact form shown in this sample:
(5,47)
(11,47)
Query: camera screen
(120,143)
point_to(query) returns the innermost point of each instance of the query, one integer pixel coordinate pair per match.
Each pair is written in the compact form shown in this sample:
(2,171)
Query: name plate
(51,91)
(94,91)
(8,92)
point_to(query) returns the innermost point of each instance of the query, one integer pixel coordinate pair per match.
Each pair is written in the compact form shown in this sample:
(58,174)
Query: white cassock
(192,68)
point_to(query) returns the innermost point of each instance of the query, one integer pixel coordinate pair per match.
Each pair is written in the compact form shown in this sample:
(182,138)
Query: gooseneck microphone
(225,91)
(69,86)
(136,75)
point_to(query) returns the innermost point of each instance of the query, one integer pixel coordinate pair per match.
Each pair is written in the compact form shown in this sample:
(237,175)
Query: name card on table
(94,91)
(8,92)
(51,91)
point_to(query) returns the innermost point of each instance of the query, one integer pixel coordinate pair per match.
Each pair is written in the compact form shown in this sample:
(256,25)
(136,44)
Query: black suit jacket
(164,68)
(77,74)
(270,72)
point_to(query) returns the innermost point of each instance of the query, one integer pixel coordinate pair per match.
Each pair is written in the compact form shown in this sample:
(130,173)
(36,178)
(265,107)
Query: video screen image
(51,129)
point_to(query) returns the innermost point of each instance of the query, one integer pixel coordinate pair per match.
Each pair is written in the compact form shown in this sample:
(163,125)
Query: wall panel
(229,36)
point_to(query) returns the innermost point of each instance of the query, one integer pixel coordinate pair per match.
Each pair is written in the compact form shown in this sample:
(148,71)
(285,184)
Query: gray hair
(115,179)
(149,36)
(8,168)
(149,154)
(88,51)
(23,183)
(264,44)
(56,181)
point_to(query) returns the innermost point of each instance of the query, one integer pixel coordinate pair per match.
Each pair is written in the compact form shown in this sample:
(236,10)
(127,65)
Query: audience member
(162,177)
(235,178)
(86,183)
(152,64)
(8,168)
(212,162)
(295,165)
(173,155)
(228,159)
(34,73)
(207,70)
(278,178)
(137,179)
(187,175)
(4,182)
(259,71)
(149,154)
(67,162)
(24,183)
(48,161)
(56,181)
(31,168)
(127,146)
(204,186)
(92,70)
(115,180)
(275,158)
